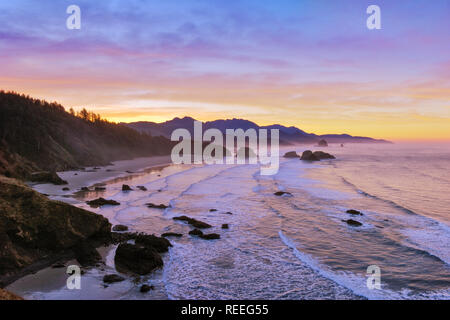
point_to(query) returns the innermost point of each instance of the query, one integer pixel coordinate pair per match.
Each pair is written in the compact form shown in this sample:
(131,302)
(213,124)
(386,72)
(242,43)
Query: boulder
(354,212)
(146,288)
(99,188)
(196,232)
(86,254)
(47,177)
(291,154)
(322,143)
(102,202)
(84,189)
(195,223)
(225,226)
(34,228)
(212,210)
(353,223)
(157,206)
(65,189)
(210,236)
(142,188)
(323,155)
(137,259)
(171,234)
(126,187)
(152,241)
(308,155)
(282,193)
(120,228)
(111,278)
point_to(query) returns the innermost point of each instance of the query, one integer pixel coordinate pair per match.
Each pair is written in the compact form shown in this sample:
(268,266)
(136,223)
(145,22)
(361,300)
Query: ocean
(295,246)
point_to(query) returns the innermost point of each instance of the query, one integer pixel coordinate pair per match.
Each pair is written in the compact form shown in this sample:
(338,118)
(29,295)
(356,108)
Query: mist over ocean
(289,247)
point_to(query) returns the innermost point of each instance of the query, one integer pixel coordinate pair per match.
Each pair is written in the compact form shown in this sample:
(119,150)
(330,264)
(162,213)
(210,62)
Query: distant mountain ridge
(288,135)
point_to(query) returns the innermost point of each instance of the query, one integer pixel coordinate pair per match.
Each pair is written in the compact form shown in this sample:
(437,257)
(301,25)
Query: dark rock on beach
(86,254)
(142,188)
(157,206)
(146,288)
(353,223)
(282,193)
(120,228)
(171,234)
(210,236)
(47,177)
(65,189)
(195,223)
(212,210)
(111,278)
(322,143)
(102,202)
(137,258)
(196,232)
(126,187)
(100,189)
(291,154)
(225,226)
(84,189)
(34,228)
(354,212)
(152,241)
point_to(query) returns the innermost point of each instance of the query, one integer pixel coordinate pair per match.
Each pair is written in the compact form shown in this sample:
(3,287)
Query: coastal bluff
(34,229)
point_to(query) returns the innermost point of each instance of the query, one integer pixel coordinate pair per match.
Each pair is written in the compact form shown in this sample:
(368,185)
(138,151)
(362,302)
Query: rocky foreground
(36,231)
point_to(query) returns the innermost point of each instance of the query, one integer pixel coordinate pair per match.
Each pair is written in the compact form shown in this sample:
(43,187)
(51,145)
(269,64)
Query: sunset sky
(312,64)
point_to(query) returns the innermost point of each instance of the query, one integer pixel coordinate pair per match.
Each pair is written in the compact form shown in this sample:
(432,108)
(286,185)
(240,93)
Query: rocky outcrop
(322,143)
(353,223)
(225,226)
(120,228)
(308,155)
(205,236)
(196,232)
(146,288)
(137,259)
(354,212)
(195,223)
(282,193)
(126,187)
(112,278)
(323,155)
(47,177)
(157,206)
(102,202)
(151,241)
(142,188)
(32,227)
(291,154)
(86,254)
(210,236)
(6,295)
(172,234)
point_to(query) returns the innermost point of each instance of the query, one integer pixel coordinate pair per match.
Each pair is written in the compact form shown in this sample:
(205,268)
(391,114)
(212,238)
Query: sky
(313,64)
